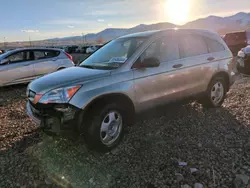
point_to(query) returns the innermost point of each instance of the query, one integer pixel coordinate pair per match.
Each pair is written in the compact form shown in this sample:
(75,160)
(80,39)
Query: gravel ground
(173,146)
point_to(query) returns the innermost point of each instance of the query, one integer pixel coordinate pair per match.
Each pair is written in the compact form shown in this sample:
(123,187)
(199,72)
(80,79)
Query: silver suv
(101,96)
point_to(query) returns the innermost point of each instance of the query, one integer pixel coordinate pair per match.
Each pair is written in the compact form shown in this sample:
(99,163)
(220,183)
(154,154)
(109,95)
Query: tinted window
(192,45)
(21,56)
(214,46)
(41,54)
(164,49)
(17,57)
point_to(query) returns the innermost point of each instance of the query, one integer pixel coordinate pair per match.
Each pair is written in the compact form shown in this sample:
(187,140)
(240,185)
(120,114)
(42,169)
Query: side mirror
(150,62)
(4,62)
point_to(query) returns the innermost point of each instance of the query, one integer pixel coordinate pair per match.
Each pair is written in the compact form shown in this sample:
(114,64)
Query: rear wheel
(105,128)
(216,93)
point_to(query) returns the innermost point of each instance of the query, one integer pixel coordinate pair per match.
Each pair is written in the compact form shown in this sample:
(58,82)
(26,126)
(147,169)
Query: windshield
(113,54)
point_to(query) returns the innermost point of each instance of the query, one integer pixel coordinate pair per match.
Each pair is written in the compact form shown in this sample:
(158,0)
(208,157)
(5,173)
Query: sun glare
(177,11)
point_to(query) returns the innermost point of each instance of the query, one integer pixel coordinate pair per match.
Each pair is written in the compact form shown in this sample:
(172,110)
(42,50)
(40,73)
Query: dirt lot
(173,146)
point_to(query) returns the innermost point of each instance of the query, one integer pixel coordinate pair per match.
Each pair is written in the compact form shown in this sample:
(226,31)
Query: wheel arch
(224,75)
(120,98)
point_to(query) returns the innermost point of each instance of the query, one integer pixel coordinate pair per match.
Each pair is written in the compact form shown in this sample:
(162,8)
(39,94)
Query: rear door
(46,61)
(198,62)
(19,69)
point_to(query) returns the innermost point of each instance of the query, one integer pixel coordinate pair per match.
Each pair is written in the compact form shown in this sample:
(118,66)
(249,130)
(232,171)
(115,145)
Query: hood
(65,77)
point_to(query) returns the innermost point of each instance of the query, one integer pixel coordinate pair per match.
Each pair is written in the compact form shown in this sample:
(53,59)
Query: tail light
(69,56)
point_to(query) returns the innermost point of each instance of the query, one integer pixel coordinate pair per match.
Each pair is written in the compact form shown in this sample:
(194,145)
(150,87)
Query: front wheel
(216,93)
(105,128)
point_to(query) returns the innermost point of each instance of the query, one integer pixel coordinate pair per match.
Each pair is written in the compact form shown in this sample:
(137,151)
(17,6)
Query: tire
(106,122)
(215,94)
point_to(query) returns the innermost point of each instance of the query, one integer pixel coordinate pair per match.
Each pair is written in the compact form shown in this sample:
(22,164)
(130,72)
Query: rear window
(192,45)
(214,46)
(43,54)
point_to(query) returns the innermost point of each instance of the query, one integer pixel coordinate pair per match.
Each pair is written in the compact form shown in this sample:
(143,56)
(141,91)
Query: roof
(151,33)
(32,48)
(142,34)
(36,48)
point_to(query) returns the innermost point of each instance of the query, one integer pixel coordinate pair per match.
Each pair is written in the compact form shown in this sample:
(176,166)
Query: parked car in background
(23,65)
(243,60)
(92,49)
(237,40)
(10,49)
(128,75)
(71,49)
(81,49)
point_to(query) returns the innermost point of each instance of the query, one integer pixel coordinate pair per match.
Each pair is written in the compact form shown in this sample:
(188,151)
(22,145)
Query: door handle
(177,66)
(210,58)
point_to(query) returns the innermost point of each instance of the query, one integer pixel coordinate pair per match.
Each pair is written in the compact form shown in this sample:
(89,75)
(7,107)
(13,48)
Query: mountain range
(222,25)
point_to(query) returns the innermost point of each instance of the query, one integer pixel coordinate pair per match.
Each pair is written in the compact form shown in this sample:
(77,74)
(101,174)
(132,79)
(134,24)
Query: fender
(84,97)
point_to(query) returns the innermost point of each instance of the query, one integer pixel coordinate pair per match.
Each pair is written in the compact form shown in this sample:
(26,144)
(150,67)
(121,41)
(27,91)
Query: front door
(159,85)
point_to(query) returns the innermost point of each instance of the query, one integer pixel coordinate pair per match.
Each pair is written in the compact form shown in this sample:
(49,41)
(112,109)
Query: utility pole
(82,39)
(4,42)
(30,41)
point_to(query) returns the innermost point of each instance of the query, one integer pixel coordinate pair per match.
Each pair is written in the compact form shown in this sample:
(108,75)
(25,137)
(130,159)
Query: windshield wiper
(88,66)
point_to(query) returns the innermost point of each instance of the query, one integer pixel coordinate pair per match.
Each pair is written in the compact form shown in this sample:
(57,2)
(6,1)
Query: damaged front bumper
(54,118)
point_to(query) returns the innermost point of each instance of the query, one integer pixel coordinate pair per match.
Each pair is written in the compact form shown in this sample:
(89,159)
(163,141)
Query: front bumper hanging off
(55,119)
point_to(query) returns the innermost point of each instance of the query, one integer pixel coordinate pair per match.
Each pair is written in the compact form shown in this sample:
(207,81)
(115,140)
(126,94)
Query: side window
(164,49)
(17,57)
(192,45)
(39,54)
(213,45)
(43,54)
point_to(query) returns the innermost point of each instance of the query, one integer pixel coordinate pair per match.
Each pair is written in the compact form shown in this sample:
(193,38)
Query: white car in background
(23,65)
(93,48)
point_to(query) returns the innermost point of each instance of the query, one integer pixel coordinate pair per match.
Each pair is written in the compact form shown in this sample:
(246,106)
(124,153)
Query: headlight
(61,95)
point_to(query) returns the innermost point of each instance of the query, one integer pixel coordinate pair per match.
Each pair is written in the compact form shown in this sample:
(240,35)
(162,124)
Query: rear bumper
(52,120)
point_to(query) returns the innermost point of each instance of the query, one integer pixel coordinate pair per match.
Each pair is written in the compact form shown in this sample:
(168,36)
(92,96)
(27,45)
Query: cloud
(110,25)
(71,26)
(100,20)
(69,22)
(29,31)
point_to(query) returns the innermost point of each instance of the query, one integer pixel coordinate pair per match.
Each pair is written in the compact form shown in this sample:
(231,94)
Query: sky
(43,19)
